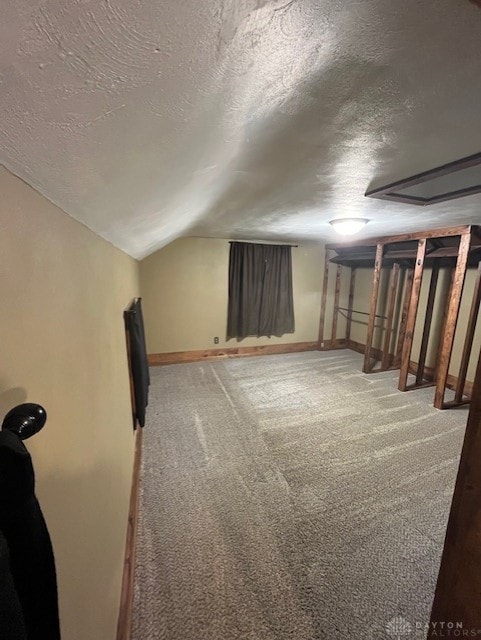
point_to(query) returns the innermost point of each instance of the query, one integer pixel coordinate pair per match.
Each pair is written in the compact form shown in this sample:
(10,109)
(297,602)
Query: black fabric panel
(23,527)
(260,290)
(142,330)
(12,625)
(138,359)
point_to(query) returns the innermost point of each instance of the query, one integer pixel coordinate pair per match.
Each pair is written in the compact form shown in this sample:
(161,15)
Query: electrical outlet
(216,340)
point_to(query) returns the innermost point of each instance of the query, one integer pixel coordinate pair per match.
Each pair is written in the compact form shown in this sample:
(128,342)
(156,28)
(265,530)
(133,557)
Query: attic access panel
(447,182)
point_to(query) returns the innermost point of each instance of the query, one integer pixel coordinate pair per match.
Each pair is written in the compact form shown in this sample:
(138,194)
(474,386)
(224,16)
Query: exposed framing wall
(398,310)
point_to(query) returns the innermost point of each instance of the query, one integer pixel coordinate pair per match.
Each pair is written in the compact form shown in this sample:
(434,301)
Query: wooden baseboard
(360,348)
(177,357)
(451,381)
(124,626)
(330,345)
(429,373)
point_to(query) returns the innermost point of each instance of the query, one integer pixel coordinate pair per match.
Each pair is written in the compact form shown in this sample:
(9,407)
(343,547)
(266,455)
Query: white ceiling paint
(147,120)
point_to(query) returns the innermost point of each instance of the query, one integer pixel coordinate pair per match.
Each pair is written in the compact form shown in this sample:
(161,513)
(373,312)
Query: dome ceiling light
(348,226)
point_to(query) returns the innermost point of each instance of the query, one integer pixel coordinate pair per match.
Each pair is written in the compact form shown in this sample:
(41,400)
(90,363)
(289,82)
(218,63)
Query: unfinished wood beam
(468,341)
(454,304)
(411,317)
(458,590)
(352,286)
(404,315)
(372,313)
(405,237)
(393,284)
(445,317)
(337,293)
(427,323)
(325,282)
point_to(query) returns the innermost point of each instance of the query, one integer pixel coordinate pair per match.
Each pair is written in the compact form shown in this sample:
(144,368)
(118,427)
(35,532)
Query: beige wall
(184,291)
(343,302)
(362,299)
(362,302)
(62,292)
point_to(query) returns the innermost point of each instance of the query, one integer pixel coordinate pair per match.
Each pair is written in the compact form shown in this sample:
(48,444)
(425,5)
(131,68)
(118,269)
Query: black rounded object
(25,419)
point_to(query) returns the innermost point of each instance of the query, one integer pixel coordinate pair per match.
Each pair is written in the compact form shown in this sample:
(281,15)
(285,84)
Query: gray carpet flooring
(290,497)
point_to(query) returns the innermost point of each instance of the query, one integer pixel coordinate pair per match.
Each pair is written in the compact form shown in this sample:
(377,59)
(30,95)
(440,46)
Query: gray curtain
(260,290)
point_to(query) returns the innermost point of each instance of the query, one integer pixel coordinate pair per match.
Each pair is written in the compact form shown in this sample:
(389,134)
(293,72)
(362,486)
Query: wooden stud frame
(337,293)
(454,304)
(352,286)
(411,316)
(404,315)
(325,282)
(438,376)
(367,368)
(393,288)
(333,342)
(468,342)
(420,381)
(445,319)
(460,397)
(387,361)
(445,232)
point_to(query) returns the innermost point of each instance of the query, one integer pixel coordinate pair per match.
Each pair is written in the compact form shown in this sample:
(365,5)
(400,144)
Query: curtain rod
(271,244)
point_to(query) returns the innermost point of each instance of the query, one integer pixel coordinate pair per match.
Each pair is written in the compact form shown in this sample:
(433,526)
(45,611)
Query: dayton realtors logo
(400,628)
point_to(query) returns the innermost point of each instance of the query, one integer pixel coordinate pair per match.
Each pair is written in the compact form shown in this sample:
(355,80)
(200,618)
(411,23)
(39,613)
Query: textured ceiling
(149,119)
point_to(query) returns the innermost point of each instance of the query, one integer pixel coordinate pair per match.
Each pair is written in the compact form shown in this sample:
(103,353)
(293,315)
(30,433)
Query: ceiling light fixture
(348,226)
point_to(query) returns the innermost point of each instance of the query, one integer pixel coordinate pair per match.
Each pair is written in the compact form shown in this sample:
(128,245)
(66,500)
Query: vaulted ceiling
(253,119)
